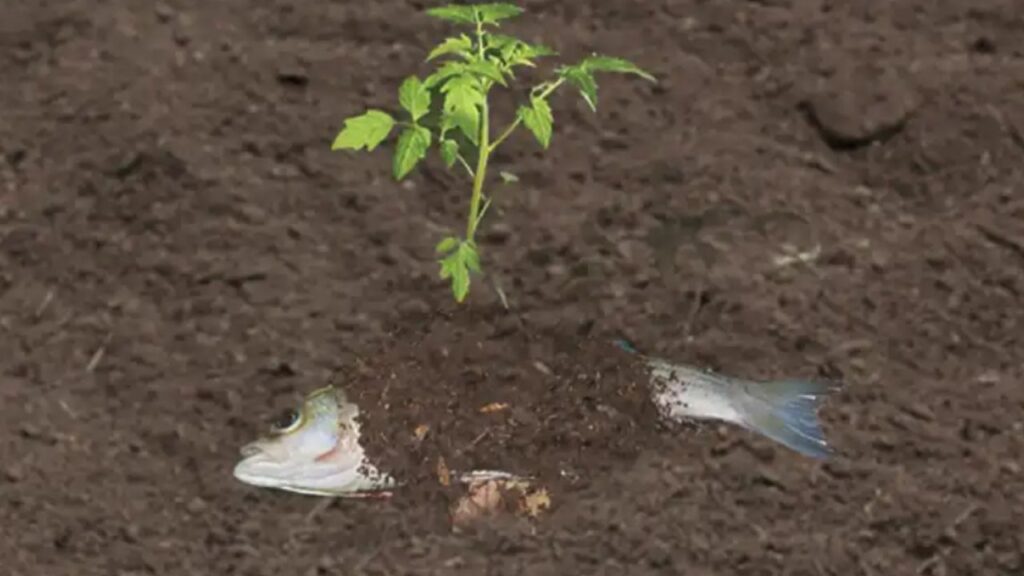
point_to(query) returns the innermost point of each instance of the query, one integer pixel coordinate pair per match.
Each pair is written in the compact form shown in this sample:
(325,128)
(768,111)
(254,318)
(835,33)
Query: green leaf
(412,147)
(515,52)
(584,81)
(492,13)
(446,71)
(535,50)
(458,264)
(484,13)
(453,268)
(462,259)
(467,120)
(454,13)
(538,119)
(489,70)
(460,45)
(446,245)
(462,98)
(461,91)
(508,177)
(470,257)
(460,282)
(365,131)
(500,41)
(449,152)
(414,97)
(598,63)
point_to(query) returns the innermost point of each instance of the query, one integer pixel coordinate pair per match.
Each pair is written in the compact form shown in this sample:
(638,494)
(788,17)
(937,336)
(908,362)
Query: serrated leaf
(470,257)
(454,13)
(414,97)
(446,71)
(367,131)
(584,81)
(460,90)
(535,50)
(515,52)
(460,284)
(488,70)
(412,147)
(494,12)
(500,41)
(460,45)
(446,245)
(453,269)
(598,63)
(538,119)
(462,98)
(449,152)
(457,265)
(468,122)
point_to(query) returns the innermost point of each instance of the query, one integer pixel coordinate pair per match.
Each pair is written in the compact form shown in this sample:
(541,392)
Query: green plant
(449,109)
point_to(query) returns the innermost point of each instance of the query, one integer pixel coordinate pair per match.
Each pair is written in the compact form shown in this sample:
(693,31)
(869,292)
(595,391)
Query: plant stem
(480,173)
(465,165)
(508,132)
(515,124)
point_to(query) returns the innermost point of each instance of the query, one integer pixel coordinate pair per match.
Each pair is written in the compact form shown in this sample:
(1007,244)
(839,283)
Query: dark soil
(181,255)
(510,402)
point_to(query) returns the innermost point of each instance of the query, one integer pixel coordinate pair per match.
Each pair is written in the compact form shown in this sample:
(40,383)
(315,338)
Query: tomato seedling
(449,109)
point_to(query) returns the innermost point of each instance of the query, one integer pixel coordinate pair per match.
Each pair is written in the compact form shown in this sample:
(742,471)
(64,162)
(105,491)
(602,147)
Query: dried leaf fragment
(444,476)
(494,496)
(536,502)
(494,407)
(482,499)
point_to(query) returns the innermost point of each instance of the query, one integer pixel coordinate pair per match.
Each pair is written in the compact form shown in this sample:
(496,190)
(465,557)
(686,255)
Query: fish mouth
(257,468)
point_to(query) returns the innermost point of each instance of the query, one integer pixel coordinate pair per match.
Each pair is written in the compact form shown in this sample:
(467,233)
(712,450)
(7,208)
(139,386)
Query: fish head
(311,449)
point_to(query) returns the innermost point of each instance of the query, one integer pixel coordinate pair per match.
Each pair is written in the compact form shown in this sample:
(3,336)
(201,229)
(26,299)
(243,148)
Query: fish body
(315,449)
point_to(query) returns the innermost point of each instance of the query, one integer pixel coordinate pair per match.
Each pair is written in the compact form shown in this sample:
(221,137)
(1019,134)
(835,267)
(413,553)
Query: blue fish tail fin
(788,413)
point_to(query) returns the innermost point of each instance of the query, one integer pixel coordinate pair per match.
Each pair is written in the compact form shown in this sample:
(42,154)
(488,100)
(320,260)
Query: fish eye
(287,422)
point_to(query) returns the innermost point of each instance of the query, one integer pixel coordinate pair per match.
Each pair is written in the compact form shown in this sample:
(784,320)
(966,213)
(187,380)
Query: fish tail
(787,413)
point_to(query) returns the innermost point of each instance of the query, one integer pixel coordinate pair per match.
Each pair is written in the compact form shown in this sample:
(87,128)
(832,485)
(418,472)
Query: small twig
(927,564)
(100,352)
(44,304)
(475,441)
(501,293)
(1011,130)
(967,513)
(694,310)
(67,409)
(322,505)
(999,239)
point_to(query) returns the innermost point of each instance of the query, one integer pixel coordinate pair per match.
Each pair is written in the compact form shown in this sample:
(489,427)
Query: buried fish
(316,450)
(785,411)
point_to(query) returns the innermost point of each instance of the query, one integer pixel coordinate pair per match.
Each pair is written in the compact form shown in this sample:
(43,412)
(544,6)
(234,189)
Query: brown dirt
(181,255)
